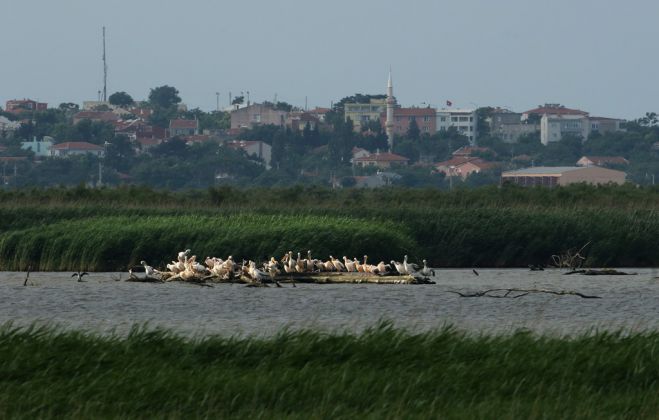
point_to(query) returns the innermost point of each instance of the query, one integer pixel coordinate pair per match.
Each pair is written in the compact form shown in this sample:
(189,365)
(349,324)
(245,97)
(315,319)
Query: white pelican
(381,268)
(291,262)
(399,267)
(182,255)
(350,265)
(174,267)
(255,273)
(210,262)
(409,267)
(148,270)
(299,267)
(199,268)
(337,264)
(311,264)
(229,264)
(426,271)
(272,267)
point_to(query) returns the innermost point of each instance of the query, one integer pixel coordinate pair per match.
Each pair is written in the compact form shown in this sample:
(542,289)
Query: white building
(464,120)
(7,125)
(258,149)
(554,127)
(40,148)
(71,148)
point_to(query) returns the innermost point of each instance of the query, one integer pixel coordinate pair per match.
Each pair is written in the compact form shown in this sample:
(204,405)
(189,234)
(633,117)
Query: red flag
(449,103)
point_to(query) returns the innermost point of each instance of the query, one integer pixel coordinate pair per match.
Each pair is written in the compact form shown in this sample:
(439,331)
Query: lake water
(103,304)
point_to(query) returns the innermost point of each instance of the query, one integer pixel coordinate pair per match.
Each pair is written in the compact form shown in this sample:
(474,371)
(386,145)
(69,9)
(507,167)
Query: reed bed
(380,373)
(117,242)
(582,196)
(111,229)
(106,239)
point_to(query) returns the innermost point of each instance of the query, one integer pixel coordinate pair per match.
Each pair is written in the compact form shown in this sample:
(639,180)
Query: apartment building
(465,122)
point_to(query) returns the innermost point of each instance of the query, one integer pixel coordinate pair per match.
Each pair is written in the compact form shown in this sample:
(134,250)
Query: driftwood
(145,279)
(571,258)
(293,278)
(27,275)
(604,272)
(517,293)
(351,278)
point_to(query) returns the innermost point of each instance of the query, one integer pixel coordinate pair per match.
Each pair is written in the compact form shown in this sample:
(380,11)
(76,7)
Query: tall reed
(381,373)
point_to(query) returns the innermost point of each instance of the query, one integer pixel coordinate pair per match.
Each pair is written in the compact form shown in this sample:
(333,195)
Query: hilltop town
(359,141)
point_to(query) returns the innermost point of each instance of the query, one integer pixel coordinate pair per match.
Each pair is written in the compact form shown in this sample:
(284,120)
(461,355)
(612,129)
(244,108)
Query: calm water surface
(103,304)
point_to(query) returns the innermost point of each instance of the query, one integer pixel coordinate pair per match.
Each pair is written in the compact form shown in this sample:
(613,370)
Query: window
(464,119)
(454,119)
(426,118)
(426,128)
(442,119)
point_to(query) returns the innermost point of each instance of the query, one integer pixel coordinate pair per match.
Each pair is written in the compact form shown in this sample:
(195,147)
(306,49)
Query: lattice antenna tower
(105,71)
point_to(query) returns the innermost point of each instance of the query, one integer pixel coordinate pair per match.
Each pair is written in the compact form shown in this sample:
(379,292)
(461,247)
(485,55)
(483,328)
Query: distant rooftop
(544,170)
(555,109)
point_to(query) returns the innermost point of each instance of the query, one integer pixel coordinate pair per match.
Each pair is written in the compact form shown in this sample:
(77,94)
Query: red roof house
(552,109)
(183,127)
(76,148)
(602,161)
(104,116)
(381,160)
(463,166)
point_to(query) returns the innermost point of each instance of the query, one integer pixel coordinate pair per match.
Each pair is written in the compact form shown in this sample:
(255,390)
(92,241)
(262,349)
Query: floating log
(351,278)
(604,272)
(518,293)
(310,278)
(135,279)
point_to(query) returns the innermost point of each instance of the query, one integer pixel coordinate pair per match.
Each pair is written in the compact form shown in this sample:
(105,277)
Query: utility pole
(105,71)
(217,97)
(450,178)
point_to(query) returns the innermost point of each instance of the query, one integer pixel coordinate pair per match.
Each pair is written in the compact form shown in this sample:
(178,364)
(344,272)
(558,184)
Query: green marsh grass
(65,229)
(380,373)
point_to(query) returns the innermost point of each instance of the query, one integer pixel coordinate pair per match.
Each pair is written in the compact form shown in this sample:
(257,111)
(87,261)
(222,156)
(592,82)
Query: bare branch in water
(517,293)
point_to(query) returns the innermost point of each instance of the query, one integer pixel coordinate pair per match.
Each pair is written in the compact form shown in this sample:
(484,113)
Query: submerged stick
(517,293)
(27,275)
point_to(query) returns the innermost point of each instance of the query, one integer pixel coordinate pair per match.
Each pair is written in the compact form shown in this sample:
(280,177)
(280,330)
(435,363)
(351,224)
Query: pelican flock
(187,267)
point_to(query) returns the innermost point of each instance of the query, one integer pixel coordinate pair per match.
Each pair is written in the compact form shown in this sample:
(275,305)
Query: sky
(599,56)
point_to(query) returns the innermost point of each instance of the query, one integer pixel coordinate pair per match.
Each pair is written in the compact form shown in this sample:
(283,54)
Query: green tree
(164,97)
(121,99)
(483,126)
(278,149)
(413,131)
(68,107)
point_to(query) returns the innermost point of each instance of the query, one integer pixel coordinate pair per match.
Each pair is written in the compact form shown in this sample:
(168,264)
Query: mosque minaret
(389,124)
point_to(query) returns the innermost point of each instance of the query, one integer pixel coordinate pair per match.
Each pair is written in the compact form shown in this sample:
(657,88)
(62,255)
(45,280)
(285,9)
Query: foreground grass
(382,373)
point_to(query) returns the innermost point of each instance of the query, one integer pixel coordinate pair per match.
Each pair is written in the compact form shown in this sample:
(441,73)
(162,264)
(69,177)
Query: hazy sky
(600,56)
